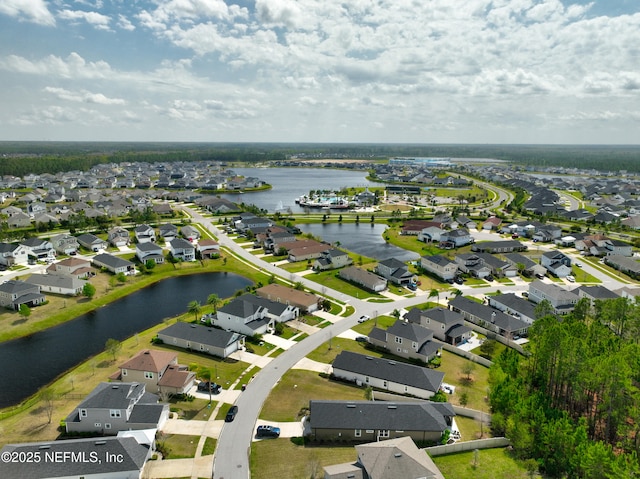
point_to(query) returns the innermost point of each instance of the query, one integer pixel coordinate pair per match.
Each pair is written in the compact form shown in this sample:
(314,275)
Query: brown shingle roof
(150,360)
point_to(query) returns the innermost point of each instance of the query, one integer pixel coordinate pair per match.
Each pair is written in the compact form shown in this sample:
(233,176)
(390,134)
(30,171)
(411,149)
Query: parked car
(578,265)
(363,318)
(231,414)
(362,339)
(489,278)
(206,385)
(525,294)
(268,431)
(459,280)
(571,279)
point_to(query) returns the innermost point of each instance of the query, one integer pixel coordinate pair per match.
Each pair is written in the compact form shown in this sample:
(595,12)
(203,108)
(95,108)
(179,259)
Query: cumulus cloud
(125,24)
(35,11)
(73,66)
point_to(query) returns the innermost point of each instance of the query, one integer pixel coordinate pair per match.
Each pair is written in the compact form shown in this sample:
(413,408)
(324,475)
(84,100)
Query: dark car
(489,278)
(459,280)
(204,386)
(268,431)
(231,414)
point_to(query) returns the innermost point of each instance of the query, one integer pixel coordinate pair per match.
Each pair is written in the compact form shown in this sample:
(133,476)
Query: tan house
(72,267)
(281,294)
(440,266)
(159,371)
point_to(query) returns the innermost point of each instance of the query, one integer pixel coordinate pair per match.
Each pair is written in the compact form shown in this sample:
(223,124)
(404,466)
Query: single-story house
(92,242)
(492,319)
(387,375)
(113,263)
(507,246)
(205,339)
(57,284)
(363,278)
(190,233)
(306,302)
(367,421)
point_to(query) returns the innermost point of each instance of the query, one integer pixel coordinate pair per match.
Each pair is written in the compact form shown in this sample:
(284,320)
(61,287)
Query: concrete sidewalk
(311,365)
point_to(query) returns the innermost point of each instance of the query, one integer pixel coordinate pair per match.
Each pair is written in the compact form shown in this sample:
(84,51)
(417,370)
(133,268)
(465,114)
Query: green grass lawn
(330,280)
(326,354)
(476,388)
(197,410)
(492,464)
(283,458)
(382,321)
(296,388)
(179,446)
(209,446)
(294,267)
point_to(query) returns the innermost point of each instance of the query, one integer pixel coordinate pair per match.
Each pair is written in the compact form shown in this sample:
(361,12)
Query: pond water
(34,361)
(363,238)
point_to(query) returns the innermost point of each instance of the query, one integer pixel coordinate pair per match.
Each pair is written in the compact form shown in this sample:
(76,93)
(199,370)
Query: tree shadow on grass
(18,322)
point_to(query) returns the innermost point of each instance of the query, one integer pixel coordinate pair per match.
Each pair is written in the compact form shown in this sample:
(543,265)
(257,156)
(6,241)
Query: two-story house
(506,325)
(208,248)
(557,263)
(65,243)
(394,271)
(149,251)
(119,237)
(72,267)
(168,231)
(473,265)
(562,300)
(182,249)
(144,234)
(39,248)
(332,259)
(114,407)
(12,254)
(440,266)
(456,238)
(244,317)
(159,371)
(407,340)
(14,293)
(447,326)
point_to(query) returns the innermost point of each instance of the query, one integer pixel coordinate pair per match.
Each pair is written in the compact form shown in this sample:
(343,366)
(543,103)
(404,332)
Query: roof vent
(45,446)
(100,443)
(193,326)
(392,406)
(391,362)
(369,358)
(351,405)
(397,454)
(115,386)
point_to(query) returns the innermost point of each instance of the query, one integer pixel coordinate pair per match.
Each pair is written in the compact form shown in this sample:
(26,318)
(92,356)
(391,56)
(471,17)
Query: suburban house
(149,251)
(12,254)
(195,337)
(394,271)
(114,407)
(332,258)
(57,284)
(367,421)
(208,248)
(182,249)
(302,300)
(14,293)
(65,243)
(244,317)
(440,266)
(144,234)
(507,246)
(466,222)
(384,374)
(391,458)
(39,248)
(547,233)
(119,237)
(624,264)
(363,278)
(168,231)
(19,220)
(595,293)
(492,223)
(529,267)
(92,242)
(73,267)
(514,305)
(247,221)
(557,263)
(499,268)
(414,227)
(561,300)
(447,326)
(159,371)
(190,233)
(279,312)
(113,263)
(473,265)
(431,233)
(305,250)
(456,238)
(618,248)
(131,458)
(494,320)
(406,340)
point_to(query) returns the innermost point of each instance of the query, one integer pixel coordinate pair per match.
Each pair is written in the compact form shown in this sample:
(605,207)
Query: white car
(571,279)
(363,318)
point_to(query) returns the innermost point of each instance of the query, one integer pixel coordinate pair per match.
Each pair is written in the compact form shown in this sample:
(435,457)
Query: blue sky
(421,71)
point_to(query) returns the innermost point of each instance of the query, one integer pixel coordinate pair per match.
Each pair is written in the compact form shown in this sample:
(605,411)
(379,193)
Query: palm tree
(456,292)
(205,375)
(213,300)
(436,293)
(194,307)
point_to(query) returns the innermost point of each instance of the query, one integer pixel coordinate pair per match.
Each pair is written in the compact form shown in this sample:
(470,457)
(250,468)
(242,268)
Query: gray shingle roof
(214,337)
(398,372)
(407,416)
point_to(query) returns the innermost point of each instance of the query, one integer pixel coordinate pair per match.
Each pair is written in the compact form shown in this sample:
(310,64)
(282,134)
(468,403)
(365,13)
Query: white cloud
(84,96)
(125,24)
(74,66)
(98,20)
(35,11)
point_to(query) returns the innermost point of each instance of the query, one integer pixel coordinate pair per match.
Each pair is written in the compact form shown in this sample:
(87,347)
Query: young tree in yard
(89,290)
(150,264)
(468,368)
(463,399)
(435,293)
(488,347)
(213,300)
(24,311)
(113,346)
(47,396)
(121,277)
(205,375)
(194,307)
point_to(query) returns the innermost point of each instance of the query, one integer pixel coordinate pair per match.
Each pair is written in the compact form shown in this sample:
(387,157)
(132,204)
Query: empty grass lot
(282,458)
(179,446)
(330,280)
(492,464)
(294,391)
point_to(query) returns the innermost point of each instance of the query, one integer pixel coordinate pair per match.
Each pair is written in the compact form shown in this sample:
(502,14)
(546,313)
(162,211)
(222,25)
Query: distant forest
(20,158)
